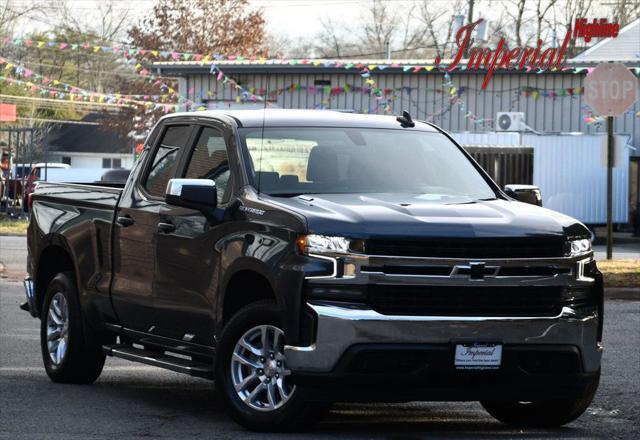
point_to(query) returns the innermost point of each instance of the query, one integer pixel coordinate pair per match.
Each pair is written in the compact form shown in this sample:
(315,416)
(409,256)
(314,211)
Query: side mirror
(524,193)
(200,194)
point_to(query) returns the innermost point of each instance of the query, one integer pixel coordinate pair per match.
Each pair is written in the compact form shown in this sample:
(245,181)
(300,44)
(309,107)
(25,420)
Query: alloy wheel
(58,328)
(259,371)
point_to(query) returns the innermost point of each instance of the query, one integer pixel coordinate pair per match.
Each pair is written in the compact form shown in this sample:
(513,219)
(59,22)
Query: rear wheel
(252,373)
(71,351)
(543,413)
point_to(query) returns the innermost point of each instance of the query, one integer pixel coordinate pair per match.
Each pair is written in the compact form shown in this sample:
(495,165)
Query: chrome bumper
(31,297)
(338,328)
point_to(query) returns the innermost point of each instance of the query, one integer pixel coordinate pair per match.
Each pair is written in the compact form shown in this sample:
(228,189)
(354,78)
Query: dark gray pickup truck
(301,258)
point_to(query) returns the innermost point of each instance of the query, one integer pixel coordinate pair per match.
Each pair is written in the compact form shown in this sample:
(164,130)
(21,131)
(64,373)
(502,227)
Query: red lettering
(479,56)
(563,49)
(496,55)
(510,56)
(462,45)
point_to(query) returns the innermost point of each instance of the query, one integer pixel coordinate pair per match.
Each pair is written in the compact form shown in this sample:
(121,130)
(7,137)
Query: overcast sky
(292,18)
(300,18)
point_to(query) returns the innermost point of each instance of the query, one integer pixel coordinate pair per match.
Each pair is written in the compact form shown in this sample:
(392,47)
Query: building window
(107,162)
(66,159)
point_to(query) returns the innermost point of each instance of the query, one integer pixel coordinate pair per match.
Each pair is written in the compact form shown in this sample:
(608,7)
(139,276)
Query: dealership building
(540,112)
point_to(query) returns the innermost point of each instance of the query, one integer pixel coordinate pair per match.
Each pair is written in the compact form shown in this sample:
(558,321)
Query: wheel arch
(54,258)
(248,281)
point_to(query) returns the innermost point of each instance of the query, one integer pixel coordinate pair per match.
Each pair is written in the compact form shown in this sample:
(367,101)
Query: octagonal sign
(610,89)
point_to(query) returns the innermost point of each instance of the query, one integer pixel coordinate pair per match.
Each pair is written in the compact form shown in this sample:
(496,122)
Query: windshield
(291,161)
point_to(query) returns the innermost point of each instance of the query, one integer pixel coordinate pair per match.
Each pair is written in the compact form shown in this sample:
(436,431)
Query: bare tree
(625,11)
(380,22)
(334,40)
(517,14)
(105,24)
(438,24)
(11,12)
(571,10)
(107,21)
(542,9)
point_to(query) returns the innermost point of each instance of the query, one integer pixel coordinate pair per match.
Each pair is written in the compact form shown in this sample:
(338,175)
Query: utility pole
(610,143)
(469,21)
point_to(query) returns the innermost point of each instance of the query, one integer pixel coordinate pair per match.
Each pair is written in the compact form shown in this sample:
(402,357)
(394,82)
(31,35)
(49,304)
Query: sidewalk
(625,247)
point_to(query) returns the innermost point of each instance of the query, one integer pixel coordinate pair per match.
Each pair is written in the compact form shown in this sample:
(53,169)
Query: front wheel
(252,373)
(543,413)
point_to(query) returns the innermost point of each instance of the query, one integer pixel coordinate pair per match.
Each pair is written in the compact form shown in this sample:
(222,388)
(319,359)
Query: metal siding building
(560,114)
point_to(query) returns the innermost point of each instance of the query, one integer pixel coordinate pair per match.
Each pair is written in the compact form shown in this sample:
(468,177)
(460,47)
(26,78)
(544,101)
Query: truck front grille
(469,248)
(466,300)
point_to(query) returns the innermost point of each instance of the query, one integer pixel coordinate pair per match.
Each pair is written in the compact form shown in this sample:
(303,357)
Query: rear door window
(210,160)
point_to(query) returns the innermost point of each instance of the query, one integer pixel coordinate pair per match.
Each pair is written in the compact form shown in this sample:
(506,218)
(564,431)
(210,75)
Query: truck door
(186,271)
(135,229)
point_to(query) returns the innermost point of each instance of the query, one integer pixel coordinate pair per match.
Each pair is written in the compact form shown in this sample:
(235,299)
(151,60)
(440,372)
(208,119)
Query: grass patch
(620,273)
(13,227)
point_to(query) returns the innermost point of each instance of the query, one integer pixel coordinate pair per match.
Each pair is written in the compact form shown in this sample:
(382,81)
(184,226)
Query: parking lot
(136,401)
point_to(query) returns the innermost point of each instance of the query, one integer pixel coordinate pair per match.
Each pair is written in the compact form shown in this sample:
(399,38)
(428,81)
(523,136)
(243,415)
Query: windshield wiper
(286,194)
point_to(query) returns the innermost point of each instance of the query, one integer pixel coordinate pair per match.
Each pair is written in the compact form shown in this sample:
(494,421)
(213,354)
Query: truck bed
(79,218)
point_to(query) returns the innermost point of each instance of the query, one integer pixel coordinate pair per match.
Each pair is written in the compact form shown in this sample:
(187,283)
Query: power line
(60,101)
(57,121)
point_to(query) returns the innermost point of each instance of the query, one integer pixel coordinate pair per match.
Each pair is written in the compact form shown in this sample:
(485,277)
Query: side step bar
(179,365)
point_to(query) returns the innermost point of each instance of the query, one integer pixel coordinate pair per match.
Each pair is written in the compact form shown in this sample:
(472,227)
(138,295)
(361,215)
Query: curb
(627,293)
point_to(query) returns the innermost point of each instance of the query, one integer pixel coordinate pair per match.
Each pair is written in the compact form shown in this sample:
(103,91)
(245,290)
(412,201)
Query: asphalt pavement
(136,401)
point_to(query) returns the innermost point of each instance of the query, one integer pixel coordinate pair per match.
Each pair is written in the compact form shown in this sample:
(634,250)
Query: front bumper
(340,327)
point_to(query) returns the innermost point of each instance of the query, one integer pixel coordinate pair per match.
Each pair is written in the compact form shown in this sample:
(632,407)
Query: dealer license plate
(478,356)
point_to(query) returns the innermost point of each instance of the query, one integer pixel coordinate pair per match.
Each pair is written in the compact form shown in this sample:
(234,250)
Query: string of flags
(140,55)
(93,97)
(170,100)
(551,93)
(56,89)
(20,71)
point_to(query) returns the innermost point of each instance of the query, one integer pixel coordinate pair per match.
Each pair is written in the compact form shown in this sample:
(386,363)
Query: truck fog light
(349,270)
(336,293)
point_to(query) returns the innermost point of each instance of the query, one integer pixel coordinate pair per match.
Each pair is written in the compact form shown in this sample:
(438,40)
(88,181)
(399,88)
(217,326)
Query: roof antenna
(405,120)
(264,115)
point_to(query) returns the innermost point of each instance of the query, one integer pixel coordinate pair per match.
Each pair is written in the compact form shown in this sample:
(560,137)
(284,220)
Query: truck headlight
(322,244)
(579,247)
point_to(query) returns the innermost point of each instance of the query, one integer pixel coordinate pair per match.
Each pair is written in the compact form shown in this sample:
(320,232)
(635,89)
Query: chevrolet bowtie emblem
(475,270)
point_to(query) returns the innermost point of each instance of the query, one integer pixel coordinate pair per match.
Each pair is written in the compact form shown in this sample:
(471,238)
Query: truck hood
(414,215)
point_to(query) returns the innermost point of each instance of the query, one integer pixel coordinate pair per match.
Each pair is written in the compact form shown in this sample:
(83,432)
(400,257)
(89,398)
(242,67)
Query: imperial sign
(610,89)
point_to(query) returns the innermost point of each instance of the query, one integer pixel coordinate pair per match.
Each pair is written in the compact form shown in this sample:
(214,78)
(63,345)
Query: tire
(80,360)
(294,412)
(544,413)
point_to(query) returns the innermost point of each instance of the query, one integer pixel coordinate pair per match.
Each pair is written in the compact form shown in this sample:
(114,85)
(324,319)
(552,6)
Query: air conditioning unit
(510,121)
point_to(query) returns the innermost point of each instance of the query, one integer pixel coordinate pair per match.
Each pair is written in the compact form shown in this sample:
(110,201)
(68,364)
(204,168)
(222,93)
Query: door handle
(166,228)
(125,221)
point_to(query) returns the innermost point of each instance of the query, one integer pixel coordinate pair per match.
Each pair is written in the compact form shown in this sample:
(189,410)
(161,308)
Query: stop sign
(610,89)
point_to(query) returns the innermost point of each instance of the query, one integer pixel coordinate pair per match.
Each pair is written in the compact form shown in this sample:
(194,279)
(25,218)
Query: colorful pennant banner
(138,55)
